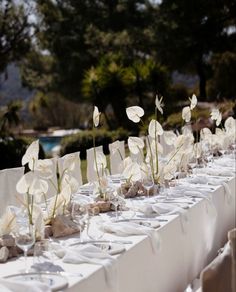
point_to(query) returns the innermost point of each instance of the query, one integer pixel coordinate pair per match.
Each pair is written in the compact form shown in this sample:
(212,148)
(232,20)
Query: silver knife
(101,241)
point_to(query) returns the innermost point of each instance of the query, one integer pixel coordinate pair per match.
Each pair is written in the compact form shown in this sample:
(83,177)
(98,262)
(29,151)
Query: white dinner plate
(54,281)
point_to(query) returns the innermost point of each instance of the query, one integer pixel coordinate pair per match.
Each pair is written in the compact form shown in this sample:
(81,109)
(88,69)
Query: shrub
(13,150)
(84,140)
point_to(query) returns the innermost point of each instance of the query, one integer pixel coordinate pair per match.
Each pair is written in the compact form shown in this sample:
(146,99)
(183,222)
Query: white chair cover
(91,173)
(117,155)
(76,172)
(8,180)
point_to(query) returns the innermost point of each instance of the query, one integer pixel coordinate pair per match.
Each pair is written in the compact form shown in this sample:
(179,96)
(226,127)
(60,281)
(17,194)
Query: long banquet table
(184,250)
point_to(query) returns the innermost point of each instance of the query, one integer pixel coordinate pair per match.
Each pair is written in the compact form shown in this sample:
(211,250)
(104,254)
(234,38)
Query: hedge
(84,140)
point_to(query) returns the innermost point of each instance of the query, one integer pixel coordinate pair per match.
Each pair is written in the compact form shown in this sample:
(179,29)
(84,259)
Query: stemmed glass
(25,239)
(79,216)
(148,183)
(94,226)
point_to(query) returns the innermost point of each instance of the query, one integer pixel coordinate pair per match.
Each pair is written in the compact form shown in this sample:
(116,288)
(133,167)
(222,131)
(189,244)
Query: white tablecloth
(182,255)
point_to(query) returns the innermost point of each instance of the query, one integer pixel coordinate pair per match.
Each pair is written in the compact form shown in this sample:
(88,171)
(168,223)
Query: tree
(77,34)
(15,33)
(187,32)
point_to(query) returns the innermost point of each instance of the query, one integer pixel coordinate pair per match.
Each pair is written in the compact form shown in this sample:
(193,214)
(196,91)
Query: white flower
(193,101)
(135,144)
(44,168)
(159,104)
(30,183)
(96,115)
(230,124)
(70,161)
(216,116)
(134,113)
(155,129)
(205,133)
(186,114)
(218,120)
(31,154)
(132,171)
(170,137)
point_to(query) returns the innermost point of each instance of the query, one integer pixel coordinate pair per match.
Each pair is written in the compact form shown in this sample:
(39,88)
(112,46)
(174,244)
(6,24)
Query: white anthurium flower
(44,168)
(96,115)
(186,114)
(218,120)
(128,160)
(170,137)
(132,172)
(219,132)
(155,129)
(205,133)
(193,102)
(31,154)
(101,161)
(7,222)
(154,146)
(135,144)
(134,113)
(197,149)
(38,187)
(184,142)
(230,124)
(159,104)
(214,114)
(71,181)
(25,182)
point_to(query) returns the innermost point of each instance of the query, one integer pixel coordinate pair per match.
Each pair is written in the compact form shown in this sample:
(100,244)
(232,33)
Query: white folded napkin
(132,228)
(91,254)
(8,285)
(217,171)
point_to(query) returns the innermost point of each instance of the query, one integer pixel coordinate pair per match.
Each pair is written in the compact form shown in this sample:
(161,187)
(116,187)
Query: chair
(8,180)
(117,154)
(76,171)
(220,274)
(91,172)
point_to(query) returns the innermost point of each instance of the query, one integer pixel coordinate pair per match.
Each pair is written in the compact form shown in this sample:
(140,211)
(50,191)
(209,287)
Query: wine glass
(25,239)
(79,216)
(94,226)
(148,183)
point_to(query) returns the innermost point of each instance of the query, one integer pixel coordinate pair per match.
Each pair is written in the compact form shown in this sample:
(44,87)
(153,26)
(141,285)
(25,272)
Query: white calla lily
(159,104)
(96,115)
(135,144)
(31,154)
(134,113)
(71,181)
(155,129)
(193,102)
(186,114)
